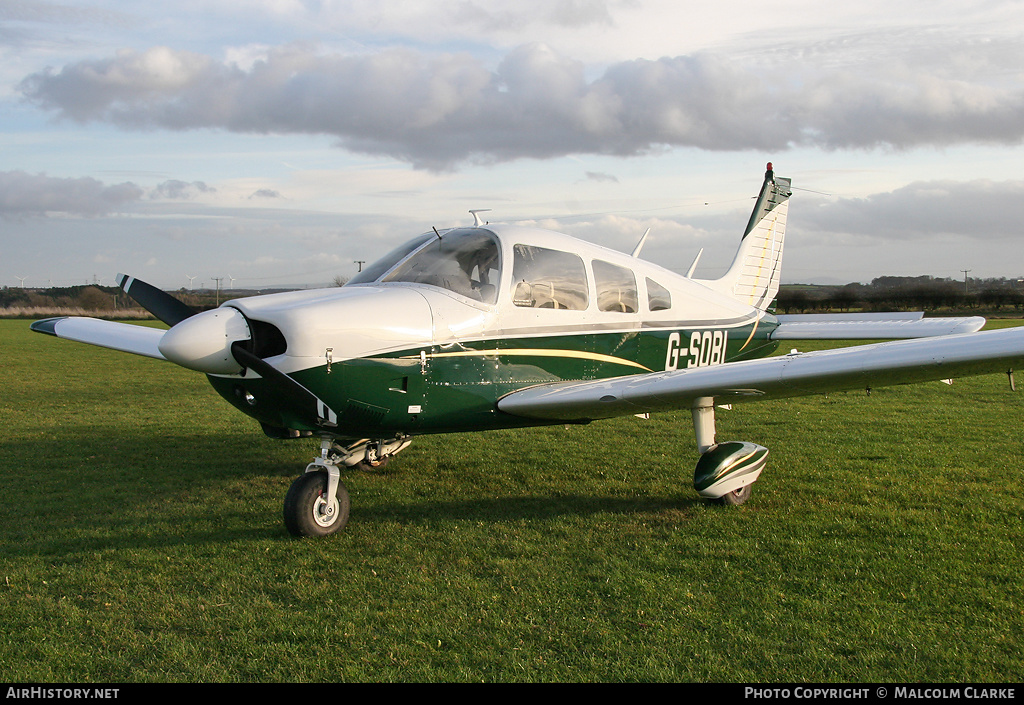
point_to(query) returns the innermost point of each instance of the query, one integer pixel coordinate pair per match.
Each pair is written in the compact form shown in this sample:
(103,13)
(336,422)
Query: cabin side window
(616,288)
(658,297)
(543,278)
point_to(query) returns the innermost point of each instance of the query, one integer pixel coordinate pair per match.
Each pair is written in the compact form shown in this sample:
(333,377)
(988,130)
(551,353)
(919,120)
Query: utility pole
(360,262)
(965,271)
(218,280)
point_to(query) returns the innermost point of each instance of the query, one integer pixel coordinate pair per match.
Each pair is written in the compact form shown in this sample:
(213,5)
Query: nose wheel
(310,510)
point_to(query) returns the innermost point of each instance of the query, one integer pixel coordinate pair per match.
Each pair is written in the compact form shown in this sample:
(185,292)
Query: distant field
(141,540)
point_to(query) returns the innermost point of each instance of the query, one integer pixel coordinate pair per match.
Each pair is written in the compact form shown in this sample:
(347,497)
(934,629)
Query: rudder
(756,271)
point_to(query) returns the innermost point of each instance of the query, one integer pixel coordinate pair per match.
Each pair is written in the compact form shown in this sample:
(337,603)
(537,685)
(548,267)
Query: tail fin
(755,273)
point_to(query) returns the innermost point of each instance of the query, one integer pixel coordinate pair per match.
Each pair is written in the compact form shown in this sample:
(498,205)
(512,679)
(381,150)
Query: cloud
(23,194)
(180,190)
(437,111)
(980,209)
(266,193)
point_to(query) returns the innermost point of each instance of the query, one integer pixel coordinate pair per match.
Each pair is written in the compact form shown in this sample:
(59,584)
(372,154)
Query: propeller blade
(287,387)
(161,304)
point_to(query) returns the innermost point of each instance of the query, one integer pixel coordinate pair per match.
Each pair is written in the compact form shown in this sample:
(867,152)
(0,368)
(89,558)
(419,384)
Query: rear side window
(658,298)
(616,288)
(543,278)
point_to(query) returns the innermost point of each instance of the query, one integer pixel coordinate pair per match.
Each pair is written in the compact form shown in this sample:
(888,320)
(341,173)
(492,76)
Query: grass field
(141,540)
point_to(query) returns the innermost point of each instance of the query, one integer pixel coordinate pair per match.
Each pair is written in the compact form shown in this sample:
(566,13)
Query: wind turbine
(190,280)
(22,279)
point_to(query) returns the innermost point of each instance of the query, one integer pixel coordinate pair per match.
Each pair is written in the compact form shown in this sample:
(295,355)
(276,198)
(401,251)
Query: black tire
(736,497)
(305,511)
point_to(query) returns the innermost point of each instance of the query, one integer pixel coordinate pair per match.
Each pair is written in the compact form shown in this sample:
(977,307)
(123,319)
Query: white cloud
(980,210)
(23,194)
(438,111)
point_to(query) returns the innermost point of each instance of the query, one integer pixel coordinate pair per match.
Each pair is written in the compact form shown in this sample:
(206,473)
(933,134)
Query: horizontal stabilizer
(866,326)
(140,340)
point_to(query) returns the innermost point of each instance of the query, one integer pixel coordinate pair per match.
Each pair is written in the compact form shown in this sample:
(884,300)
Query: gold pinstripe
(542,352)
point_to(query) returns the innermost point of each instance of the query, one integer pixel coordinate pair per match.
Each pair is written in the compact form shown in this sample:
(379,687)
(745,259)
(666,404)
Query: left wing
(126,337)
(796,374)
(861,326)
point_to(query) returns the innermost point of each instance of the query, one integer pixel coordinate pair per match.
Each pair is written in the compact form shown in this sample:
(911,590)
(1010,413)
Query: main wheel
(307,511)
(736,497)
(367,466)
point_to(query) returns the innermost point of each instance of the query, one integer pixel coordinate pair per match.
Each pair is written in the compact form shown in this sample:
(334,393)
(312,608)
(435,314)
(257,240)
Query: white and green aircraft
(498,326)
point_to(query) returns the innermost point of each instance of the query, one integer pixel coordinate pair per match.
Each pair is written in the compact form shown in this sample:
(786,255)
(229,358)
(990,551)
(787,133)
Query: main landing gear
(317,503)
(725,471)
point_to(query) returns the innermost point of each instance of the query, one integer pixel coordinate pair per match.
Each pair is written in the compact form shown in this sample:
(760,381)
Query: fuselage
(428,339)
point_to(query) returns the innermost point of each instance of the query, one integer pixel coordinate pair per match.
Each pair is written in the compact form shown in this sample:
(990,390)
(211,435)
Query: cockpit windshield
(385,263)
(466,261)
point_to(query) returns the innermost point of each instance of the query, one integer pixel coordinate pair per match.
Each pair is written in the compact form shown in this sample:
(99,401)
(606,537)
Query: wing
(861,326)
(125,337)
(796,374)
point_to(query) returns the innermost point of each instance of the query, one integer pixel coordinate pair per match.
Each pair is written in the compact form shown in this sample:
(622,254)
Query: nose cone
(203,341)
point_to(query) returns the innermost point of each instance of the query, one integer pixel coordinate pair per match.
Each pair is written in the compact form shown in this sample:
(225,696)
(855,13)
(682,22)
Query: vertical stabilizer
(755,273)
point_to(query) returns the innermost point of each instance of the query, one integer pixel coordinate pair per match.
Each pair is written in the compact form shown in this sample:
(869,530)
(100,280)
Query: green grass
(141,540)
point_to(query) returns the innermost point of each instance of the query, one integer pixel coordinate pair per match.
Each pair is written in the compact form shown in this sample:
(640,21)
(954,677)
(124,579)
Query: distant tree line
(890,293)
(89,297)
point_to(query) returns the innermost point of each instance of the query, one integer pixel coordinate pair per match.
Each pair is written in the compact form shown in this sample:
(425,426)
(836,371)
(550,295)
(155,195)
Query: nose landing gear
(317,503)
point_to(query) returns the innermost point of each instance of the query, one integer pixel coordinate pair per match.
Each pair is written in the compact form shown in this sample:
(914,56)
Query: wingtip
(47,326)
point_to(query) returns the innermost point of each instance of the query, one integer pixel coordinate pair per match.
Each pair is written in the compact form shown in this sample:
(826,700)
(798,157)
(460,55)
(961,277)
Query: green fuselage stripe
(438,388)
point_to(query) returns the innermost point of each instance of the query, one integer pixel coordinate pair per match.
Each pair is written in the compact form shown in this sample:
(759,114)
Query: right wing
(796,374)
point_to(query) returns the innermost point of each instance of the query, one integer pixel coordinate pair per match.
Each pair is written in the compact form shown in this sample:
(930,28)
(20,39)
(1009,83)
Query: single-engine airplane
(498,326)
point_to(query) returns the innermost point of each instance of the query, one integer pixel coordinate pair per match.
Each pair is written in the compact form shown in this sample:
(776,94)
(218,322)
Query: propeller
(161,304)
(220,342)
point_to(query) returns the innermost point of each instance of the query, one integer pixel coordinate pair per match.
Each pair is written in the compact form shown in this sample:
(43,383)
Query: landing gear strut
(317,503)
(725,471)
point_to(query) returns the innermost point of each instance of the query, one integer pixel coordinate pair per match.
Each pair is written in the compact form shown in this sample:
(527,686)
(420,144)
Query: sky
(277,143)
